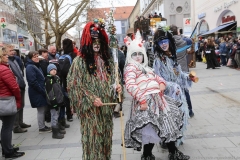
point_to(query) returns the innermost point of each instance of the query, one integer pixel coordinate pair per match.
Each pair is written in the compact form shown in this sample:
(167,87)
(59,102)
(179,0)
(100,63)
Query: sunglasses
(164,41)
(137,54)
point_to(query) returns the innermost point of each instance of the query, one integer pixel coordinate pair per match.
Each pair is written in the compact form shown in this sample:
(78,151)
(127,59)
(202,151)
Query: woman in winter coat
(36,90)
(9,87)
(223,52)
(210,55)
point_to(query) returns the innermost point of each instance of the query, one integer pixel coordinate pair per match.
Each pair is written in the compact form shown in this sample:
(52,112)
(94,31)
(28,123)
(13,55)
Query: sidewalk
(213,133)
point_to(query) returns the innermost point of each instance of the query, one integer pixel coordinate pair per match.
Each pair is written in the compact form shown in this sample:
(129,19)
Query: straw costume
(92,75)
(161,119)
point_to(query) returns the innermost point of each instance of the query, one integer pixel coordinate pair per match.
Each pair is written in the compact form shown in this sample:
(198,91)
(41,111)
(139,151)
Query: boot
(63,123)
(180,156)
(61,129)
(56,134)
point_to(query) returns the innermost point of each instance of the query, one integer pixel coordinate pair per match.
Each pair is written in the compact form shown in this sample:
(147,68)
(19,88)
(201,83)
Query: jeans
(54,117)
(6,133)
(186,91)
(223,59)
(19,115)
(41,117)
(62,113)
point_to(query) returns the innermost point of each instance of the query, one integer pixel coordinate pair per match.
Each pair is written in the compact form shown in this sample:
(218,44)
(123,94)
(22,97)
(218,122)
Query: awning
(217,28)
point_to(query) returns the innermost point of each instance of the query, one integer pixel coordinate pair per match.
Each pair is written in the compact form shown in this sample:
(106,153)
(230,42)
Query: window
(123,24)
(123,30)
(179,9)
(172,19)
(186,16)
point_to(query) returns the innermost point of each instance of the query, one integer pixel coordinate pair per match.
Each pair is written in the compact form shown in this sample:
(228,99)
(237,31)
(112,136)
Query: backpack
(62,62)
(55,97)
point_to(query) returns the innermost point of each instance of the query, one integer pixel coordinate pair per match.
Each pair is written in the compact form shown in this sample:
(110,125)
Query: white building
(216,17)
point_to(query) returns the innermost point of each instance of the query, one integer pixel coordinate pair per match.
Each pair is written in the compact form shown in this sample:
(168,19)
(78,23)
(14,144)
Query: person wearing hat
(154,117)
(166,66)
(90,84)
(55,99)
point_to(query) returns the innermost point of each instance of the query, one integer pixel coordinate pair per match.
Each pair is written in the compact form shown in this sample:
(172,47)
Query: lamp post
(79,28)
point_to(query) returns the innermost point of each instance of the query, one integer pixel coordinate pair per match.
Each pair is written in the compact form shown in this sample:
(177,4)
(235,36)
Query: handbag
(229,63)
(8,106)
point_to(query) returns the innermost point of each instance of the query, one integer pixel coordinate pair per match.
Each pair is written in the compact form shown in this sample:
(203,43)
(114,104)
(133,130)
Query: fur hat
(51,67)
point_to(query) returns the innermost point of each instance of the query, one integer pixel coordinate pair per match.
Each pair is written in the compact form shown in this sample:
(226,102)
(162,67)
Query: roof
(121,13)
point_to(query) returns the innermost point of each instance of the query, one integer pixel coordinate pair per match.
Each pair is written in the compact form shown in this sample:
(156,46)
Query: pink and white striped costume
(139,84)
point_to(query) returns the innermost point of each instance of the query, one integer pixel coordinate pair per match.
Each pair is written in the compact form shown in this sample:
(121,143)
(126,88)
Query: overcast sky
(117,3)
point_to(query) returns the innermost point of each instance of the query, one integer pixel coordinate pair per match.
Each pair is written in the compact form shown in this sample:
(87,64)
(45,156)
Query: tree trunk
(58,41)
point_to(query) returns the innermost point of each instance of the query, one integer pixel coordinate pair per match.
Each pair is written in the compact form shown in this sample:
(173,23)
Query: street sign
(3,22)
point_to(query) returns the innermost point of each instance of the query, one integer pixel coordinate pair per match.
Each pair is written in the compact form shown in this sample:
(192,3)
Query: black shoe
(64,124)
(69,119)
(14,155)
(207,68)
(146,158)
(152,157)
(15,149)
(191,114)
(45,130)
(56,134)
(117,114)
(171,156)
(24,125)
(180,156)
(19,130)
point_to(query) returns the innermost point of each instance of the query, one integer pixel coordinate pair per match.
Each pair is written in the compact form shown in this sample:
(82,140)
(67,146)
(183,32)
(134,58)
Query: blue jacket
(36,85)
(223,50)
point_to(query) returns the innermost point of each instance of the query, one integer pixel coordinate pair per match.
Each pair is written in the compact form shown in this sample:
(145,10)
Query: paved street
(213,133)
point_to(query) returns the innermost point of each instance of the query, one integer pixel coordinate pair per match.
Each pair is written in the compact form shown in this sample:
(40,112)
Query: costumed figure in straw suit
(166,66)
(154,117)
(90,84)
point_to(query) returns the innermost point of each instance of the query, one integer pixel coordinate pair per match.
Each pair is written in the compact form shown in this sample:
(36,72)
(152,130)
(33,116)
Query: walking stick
(114,46)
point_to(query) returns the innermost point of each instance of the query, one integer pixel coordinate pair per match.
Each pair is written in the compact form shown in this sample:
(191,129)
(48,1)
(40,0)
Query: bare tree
(58,16)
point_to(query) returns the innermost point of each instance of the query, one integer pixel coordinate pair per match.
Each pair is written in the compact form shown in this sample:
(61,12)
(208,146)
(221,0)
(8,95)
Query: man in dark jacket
(52,53)
(19,126)
(65,65)
(43,60)
(182,44)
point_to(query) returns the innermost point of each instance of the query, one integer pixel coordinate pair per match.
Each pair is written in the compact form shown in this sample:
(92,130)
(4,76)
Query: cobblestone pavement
(213,133)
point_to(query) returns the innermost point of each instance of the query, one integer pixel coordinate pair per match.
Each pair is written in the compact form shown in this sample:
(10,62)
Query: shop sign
(238,29)
(20,38)
(228,19)
(225,5)
(201,15)
(3,22)
(187,26)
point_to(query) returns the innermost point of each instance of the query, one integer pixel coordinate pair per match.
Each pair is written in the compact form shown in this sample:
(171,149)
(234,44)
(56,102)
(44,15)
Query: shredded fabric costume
(162,119)
(176,81)
(96,122)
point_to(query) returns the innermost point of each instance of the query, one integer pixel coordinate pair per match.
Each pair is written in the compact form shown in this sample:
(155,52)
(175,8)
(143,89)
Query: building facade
(121,16)
(217,17)
(134,14)
(16,30)
(174,11)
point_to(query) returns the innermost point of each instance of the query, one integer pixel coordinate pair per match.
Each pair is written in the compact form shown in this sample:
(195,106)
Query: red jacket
(8,84)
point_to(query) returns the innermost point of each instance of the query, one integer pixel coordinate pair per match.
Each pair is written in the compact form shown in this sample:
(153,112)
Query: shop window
(172,19)
(123,30)
(186,16)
